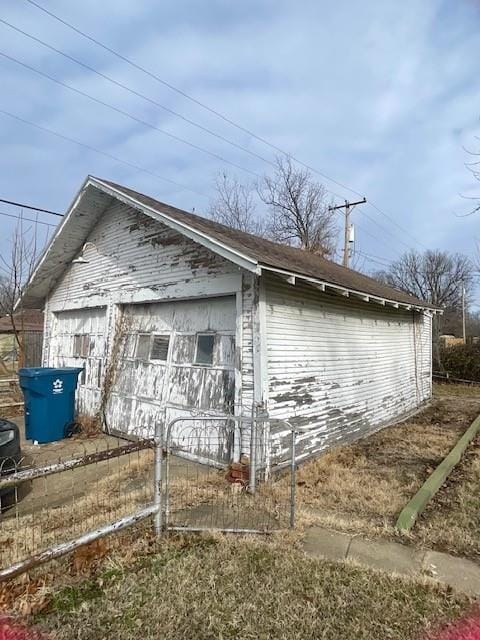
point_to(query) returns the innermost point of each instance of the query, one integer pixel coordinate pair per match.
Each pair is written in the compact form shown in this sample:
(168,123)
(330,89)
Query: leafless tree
(234,205)
(16,269)
(298,211)
(437,277)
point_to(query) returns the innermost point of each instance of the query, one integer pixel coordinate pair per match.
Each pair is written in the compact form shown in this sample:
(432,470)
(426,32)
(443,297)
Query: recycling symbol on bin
(58,386)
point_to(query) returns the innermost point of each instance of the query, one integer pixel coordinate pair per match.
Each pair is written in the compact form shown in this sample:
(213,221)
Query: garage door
(179,357)
(78,340)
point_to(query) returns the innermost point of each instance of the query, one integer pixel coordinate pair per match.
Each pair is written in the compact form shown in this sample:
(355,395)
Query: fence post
(253,450)
(293,480)
(157,490)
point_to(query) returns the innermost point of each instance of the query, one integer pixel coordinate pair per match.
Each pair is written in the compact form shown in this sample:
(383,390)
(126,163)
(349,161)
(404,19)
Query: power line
(125,113)
(28,206)
(99,151)
(216,113)
(136,93)
(357,225)
(384,262)
(11,215)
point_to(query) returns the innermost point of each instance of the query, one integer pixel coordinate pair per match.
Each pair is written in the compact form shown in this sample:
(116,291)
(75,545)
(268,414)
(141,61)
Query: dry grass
(463,390)
(451,521)
(66,505)
(361,488)
(74,504)
(215,587)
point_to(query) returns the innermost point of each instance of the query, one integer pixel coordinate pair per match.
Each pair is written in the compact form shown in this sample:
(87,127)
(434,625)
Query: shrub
(462,361)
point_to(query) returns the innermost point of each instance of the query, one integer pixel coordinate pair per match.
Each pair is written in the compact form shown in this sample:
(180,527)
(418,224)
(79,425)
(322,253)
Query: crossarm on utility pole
(348,206)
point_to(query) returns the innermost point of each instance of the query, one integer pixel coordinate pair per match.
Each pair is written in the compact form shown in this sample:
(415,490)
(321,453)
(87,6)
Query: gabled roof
(248,251)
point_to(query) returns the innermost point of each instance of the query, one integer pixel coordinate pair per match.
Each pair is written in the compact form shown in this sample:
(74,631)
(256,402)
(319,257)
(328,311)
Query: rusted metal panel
(341,368)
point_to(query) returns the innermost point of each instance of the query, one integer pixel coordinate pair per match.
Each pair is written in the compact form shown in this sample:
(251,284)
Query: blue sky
(383,96)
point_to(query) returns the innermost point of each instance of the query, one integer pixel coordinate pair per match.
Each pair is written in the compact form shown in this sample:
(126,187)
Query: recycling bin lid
(34,372)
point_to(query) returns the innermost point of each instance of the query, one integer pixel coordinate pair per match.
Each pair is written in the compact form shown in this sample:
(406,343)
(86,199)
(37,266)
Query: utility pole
(348,206)
(463,314)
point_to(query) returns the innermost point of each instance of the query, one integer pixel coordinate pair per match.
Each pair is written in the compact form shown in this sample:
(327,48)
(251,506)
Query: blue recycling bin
(49,395)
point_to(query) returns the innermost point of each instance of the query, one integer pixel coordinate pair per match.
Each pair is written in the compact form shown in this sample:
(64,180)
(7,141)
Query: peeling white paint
(339,367)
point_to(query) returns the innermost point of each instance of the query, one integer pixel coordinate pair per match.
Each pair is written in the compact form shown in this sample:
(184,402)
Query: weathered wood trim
(242,260)
(344,291)
(262,313)
(213,287)
(257,345)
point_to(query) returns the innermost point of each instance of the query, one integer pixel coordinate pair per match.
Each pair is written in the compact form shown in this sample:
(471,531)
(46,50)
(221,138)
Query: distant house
(221,321)
(29,326)
(448,340)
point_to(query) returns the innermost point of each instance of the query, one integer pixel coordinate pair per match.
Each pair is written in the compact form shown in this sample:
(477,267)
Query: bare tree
(298,209)
(234,205)
(17,268)
(437,277)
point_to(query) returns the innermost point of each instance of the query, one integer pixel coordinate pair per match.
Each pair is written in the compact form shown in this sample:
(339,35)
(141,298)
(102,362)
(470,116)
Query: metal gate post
(253,450)
(157,489)
(293,480)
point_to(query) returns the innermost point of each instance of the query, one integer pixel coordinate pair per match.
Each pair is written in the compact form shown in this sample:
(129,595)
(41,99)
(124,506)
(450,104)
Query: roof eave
(323,285)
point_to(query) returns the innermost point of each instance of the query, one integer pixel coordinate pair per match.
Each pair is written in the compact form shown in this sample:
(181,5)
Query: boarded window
(159,350)
(204,352)
(81,345)
(142,351)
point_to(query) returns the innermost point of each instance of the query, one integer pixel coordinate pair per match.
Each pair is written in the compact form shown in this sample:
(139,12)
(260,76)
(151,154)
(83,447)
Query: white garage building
(214,319)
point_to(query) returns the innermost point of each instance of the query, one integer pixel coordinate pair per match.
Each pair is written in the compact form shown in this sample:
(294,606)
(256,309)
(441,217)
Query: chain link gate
(215,473)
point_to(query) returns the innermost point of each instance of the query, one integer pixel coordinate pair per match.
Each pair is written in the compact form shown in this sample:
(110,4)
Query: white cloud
(381,96)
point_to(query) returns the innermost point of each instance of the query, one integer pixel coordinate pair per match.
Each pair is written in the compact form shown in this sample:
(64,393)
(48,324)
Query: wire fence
(199,473)
(59,492)
(217,476)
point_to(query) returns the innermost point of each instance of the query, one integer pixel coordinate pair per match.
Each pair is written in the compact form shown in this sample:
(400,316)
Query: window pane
(85,346)
(77,345)
(143,346)
(160,348)
(205,349)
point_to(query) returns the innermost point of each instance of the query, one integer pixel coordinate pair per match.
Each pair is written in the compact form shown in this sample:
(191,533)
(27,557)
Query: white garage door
(78,340)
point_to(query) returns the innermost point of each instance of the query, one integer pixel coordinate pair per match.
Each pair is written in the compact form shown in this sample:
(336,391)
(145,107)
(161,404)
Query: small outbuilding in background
(21,339)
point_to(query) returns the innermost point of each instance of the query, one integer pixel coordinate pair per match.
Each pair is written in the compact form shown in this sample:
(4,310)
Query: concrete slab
(386,556)
(326,544)
(459,573)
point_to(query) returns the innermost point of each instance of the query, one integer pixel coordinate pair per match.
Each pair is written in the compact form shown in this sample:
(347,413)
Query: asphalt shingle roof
(275,255)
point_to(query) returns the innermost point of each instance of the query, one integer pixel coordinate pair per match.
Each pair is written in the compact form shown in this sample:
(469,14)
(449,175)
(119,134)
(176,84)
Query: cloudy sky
(380,95)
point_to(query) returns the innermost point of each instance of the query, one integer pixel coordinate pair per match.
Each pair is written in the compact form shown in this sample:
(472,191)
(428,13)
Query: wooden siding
(132,258)
(340,368)
(139,265)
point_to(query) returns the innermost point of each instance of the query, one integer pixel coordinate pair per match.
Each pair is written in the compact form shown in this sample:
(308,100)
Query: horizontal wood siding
(339,367)
(130,253)
(168,284)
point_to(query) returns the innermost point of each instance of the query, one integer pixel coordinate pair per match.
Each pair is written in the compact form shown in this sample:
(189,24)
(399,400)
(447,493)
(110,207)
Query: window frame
(151,337)
(137,340)
(160,335)
(84,344)
(200,335)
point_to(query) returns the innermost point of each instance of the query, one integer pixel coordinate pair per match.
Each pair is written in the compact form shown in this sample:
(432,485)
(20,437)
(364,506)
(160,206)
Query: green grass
(209,588)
